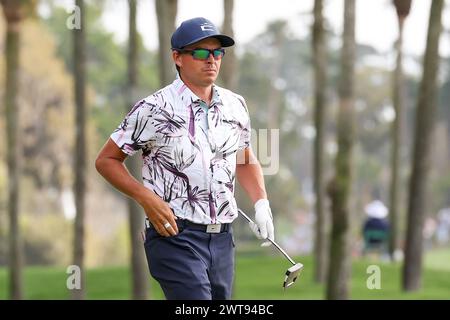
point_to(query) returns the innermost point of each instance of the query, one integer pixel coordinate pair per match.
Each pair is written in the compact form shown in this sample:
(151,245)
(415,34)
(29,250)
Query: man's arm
(109,164)
(250,176)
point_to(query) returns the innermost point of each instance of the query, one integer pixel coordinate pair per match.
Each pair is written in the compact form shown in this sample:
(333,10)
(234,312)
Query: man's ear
(176,56)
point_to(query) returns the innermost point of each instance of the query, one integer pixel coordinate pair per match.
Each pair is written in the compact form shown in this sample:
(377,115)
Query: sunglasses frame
(210,52)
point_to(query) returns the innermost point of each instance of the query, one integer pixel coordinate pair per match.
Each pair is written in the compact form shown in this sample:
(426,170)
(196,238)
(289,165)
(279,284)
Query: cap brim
(225,41)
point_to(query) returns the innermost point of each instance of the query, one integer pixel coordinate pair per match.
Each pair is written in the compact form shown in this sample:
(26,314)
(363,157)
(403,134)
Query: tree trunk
(135,215)
(13,15)
(319,61)
(228,70)
(277,29)
(425,113)
(396,145)
(402,7)
(340,186)
(80,148)
(166,13)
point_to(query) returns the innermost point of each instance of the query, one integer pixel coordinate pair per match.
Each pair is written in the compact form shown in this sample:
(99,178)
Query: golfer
(195,139)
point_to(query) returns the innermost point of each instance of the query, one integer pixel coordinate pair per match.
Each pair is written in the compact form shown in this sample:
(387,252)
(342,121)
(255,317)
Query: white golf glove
(263,225)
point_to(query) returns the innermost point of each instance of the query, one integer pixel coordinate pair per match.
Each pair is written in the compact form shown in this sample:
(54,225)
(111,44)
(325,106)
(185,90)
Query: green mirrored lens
(201,54)
(218,53)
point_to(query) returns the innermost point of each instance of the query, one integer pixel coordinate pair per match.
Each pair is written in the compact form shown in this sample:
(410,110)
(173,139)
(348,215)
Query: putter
(293,272)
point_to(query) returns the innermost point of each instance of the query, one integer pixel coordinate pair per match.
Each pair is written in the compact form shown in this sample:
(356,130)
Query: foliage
(106,67)
(441,191)
(108,250)
(46,248)
(373,106)
(46,110)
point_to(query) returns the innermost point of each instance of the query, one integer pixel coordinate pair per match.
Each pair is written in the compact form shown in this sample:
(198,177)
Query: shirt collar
(188,97)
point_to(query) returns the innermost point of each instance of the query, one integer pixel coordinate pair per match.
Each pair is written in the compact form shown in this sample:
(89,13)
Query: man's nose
(210,58)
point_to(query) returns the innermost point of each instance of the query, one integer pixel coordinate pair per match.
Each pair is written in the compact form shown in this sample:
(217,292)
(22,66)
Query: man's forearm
(251,178)
(117,175)
(110,165)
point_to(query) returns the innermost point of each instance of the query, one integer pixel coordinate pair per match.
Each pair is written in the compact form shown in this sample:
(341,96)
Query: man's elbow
(104,162)
(99,164)
(108,155)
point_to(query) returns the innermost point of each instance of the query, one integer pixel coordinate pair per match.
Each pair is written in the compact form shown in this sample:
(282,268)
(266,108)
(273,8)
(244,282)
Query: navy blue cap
(196,29)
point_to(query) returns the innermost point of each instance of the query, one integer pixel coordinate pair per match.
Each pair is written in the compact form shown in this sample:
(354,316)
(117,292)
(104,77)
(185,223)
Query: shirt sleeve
(137,129)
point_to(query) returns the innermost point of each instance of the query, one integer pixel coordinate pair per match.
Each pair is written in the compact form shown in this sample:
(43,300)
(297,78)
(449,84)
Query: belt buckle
(213,228)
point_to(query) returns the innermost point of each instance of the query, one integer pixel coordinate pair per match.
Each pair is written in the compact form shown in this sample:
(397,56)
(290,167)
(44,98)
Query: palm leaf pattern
(167,122)
(194,173)
(196,199)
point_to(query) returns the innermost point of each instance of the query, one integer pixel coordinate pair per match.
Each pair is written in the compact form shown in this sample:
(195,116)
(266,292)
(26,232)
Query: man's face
(200,73)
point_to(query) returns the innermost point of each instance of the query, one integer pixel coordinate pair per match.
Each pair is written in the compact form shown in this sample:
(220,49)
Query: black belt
(208,228)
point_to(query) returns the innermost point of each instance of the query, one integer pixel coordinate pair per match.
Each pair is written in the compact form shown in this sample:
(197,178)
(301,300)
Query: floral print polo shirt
(189,149)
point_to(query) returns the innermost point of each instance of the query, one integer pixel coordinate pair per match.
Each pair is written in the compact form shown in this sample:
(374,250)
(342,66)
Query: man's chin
(211,75)
(210,80)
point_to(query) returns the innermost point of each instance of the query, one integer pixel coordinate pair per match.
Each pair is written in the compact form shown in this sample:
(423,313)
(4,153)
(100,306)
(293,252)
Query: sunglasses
(203,54)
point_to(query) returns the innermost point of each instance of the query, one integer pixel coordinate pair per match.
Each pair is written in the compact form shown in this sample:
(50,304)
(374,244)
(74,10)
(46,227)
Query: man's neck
(204,93)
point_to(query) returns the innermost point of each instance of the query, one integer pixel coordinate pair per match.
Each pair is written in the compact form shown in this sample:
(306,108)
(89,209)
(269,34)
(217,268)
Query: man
(376,228)
(194,137)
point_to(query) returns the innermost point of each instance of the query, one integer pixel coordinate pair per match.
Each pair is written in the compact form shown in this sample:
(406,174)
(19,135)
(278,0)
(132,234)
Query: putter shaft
(273,242)
(282,251)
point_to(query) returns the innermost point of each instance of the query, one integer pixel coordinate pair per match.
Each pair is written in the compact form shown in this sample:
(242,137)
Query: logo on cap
(207,27)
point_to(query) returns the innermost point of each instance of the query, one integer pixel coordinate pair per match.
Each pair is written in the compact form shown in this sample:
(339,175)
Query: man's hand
(110,164)
(160,215)
(263,226)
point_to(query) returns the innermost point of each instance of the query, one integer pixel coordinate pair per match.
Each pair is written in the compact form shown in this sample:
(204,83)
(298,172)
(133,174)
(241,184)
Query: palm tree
(426,107)
(166,13)
(229,68)
(340,186)
(79,57)
(135,214)
(403,7)
(319,61)
(14,14)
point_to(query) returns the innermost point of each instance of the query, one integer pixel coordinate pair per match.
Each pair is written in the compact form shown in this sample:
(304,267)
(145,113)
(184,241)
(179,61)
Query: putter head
(291,275)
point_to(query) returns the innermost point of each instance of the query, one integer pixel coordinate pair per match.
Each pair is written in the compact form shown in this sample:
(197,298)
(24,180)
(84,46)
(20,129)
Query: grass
(257,278)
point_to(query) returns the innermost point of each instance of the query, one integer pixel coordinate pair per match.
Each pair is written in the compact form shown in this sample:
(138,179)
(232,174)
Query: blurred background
(359,92)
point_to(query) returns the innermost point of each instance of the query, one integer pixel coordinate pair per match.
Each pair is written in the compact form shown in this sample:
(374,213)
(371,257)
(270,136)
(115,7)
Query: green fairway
(256,278)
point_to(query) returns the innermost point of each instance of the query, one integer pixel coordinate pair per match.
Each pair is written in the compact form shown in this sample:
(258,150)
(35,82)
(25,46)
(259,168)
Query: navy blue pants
(193,265)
